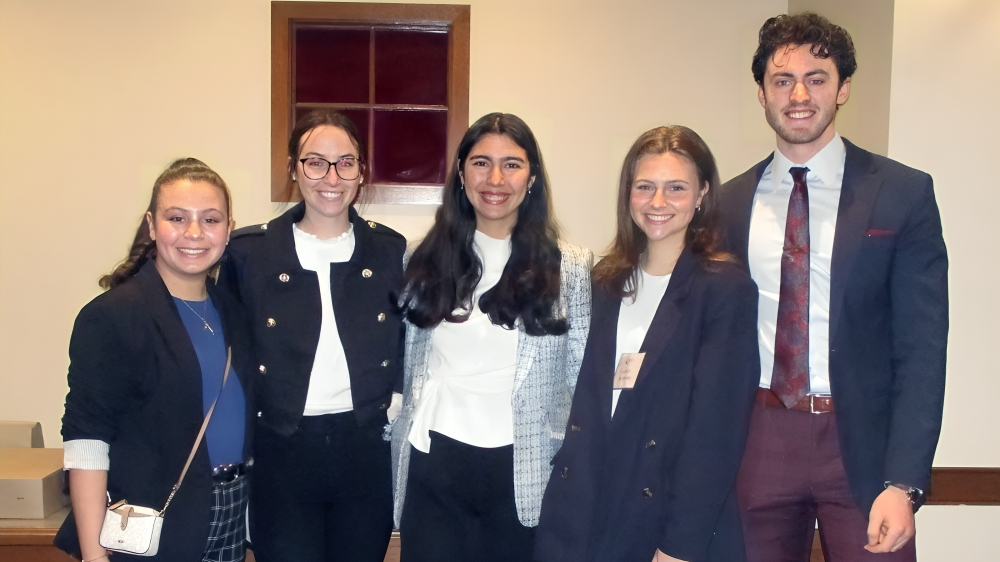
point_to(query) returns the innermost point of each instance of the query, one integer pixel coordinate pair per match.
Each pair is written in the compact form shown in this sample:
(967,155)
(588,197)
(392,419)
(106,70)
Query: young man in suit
(847,251)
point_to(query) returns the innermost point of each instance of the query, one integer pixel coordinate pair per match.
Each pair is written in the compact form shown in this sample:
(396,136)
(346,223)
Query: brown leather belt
(816,404)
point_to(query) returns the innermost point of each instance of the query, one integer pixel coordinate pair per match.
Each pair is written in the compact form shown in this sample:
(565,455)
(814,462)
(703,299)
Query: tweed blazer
(545,379)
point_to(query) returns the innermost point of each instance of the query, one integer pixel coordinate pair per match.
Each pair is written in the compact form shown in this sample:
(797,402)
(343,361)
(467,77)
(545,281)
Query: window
(399,71)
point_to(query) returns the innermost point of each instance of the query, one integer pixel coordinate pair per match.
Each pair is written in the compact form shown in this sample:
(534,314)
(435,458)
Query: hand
(890,523)
(661,557)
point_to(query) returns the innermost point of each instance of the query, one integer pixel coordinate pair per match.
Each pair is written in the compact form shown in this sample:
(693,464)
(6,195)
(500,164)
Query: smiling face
(497,177)
(191,228)
(663,199)
(800,94)
(328,198)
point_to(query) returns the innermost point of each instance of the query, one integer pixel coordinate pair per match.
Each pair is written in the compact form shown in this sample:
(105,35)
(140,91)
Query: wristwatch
(915,495)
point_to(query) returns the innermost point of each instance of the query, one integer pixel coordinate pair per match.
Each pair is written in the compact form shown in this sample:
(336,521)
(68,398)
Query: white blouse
(634,319)
(467,395)
(330,382)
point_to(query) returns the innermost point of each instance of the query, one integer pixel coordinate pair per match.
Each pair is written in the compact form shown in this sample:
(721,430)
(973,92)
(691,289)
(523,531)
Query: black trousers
(460,506)
(324,494)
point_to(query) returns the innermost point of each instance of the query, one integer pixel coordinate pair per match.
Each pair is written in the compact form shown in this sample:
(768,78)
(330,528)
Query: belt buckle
(812,402)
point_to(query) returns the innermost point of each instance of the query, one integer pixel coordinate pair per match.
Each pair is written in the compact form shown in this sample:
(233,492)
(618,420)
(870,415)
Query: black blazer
(135,383)
(662,472)
(888,316)
(284,304)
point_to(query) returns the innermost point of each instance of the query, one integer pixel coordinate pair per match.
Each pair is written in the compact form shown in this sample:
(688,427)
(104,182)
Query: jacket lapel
(667,316)
(527,349)
(858,193)
(740,204)
(168,321)
(603,342)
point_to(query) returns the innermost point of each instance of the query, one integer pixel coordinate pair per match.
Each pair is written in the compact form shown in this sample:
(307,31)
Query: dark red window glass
(411,67)
(331,65)
(359,116)
(410,146)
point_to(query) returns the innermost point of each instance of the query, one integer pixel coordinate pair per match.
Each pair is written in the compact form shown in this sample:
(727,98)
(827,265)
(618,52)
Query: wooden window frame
(285,14)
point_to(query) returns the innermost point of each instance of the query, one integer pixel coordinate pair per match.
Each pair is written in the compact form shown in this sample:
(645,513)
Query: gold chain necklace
(207,327)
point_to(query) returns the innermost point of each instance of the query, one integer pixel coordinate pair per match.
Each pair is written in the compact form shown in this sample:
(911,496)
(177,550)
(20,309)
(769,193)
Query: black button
(574,428)
(651,444)
(647,492)
(565,472)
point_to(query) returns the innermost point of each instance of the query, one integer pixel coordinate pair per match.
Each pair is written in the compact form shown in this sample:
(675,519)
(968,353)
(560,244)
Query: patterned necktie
(790,378)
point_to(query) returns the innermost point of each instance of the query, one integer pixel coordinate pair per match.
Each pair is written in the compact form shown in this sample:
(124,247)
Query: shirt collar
(826,167)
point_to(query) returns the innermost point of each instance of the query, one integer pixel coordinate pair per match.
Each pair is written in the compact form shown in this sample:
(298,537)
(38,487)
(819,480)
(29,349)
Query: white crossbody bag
(136,530)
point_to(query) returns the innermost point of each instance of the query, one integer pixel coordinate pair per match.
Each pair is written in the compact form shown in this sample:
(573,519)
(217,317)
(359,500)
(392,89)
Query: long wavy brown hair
(618,271)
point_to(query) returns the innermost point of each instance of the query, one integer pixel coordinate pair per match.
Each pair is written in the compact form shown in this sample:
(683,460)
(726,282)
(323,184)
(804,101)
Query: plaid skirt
(227,533)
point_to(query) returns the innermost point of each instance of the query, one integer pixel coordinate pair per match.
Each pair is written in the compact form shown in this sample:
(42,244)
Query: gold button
(366,273)
(381,317)
(651,444)
(574,428)
(284,277)
(565,472)
(271,323)
(647,492)
(385,363)
(262,369)
(371,224)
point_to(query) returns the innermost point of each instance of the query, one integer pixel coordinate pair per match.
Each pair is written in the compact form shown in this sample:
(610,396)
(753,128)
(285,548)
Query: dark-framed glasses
(347,168)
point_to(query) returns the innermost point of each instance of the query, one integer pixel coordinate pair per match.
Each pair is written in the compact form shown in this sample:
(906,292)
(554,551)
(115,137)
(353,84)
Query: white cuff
(86,454)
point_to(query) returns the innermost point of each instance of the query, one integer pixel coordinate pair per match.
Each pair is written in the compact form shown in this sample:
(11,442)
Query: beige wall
(96,97)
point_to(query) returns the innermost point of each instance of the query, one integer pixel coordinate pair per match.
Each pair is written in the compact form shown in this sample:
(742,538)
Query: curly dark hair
(807,28)
(444,270)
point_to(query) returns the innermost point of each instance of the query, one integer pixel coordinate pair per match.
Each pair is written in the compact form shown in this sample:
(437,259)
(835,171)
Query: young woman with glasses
(498,309)
(147,361)
(317,283)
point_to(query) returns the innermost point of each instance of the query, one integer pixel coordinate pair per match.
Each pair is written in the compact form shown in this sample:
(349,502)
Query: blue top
(227,429)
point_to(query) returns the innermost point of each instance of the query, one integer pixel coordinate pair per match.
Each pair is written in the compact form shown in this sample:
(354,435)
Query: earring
(293,177)
(698,208)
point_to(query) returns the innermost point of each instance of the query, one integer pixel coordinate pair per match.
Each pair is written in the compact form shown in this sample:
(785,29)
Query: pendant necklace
(205,322)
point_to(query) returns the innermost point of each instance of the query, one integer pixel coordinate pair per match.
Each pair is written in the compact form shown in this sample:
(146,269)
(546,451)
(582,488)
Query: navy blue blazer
(284,304)
(888,316)
(135,383)
(662,472)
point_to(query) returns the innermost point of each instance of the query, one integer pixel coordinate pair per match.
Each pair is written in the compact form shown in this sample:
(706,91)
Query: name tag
(628,370)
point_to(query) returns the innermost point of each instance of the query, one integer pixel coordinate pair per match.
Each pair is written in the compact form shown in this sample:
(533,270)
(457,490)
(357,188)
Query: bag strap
(201,433)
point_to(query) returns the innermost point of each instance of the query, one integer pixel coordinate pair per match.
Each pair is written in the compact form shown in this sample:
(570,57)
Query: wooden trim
(284,14)
(964,486)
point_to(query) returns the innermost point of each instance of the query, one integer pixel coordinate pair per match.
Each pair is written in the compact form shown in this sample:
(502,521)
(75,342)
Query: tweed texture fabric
(547,367)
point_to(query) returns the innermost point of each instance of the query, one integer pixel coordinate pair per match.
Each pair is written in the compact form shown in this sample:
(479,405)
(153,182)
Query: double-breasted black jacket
(284,304)
(135,383)
(661,473)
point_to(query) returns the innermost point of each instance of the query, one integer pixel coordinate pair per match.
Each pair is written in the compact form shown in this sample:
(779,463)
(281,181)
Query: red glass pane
(410,146)
(359,116)
(411,67)
(331,65)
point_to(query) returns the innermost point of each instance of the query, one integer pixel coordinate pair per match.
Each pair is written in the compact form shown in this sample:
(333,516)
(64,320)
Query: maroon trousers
(793,474)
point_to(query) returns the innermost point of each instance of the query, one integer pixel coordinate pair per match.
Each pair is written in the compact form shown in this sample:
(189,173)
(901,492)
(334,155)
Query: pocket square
(878,232)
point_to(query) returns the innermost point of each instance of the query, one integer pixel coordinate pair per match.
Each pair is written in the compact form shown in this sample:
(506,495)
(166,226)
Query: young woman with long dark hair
(317,282)
(498,309)
(147,361)
(660,415)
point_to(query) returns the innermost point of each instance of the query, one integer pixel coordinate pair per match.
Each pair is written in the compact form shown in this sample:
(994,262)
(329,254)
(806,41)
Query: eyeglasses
(348,168)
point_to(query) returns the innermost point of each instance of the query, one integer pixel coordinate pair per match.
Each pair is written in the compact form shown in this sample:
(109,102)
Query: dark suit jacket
(888,317)
(135,383)
(661,473)
(284,304)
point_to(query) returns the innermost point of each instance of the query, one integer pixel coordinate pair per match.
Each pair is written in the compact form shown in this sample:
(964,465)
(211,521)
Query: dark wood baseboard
(964,486)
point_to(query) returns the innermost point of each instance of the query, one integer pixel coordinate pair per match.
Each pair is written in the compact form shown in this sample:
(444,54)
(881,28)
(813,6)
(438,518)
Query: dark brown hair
(443,273)
(807,28)
(190,169)
(618,271)
(305,125)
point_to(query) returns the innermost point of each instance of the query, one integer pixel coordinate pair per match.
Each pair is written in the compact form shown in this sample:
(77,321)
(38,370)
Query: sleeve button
(271,323)
(262,369)
(372,224)
(381,317)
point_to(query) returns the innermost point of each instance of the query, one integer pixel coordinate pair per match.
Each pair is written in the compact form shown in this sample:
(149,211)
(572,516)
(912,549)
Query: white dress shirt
(767,237)
(467,395)
(634,318)
(330,381)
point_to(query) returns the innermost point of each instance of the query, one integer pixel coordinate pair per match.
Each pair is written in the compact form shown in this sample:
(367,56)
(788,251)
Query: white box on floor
(31,483)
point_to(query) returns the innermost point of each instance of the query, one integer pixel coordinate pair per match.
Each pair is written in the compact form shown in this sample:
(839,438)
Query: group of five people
(745,359)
